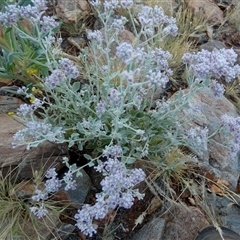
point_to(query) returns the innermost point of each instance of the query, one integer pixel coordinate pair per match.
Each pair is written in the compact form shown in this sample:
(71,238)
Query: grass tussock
(17,221)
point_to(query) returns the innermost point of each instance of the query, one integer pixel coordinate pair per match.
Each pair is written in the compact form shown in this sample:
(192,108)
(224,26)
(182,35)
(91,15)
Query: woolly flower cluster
(215,64)
(198,138)
(116,190)
(52,185)
(35,131)
(28,109)
(157,76)
(233,124)
(151,18)
(66,70)
(14,13)
(217,88)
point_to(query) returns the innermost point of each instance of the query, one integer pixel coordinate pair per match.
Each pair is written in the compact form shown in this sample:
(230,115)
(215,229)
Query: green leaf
(130,160)
(12,55)
(76,86)
(79,174)
(87,156)
(80,146)
(91,164)
(71,143)
(91,145)
(6,76)
(206,82)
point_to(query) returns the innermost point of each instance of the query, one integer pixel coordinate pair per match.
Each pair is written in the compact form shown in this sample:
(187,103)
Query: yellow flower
(31,71)
(10,113)
(32,99)
(36,90)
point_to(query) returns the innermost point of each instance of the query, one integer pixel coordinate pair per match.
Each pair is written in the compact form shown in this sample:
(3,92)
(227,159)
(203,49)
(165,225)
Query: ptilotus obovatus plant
(112,110)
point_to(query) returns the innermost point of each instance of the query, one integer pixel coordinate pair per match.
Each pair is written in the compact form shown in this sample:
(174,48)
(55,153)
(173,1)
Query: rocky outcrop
(216,161)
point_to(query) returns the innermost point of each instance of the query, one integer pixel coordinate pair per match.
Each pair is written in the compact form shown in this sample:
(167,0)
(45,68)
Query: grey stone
(216,160)
(213,44)
(152,230)
(232,221)
(78,195)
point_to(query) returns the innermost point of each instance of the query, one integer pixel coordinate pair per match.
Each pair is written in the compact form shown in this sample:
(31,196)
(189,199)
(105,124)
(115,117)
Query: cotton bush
(113,114)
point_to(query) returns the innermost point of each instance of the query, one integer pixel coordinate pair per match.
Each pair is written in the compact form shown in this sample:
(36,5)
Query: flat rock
(9,104)
(43,156)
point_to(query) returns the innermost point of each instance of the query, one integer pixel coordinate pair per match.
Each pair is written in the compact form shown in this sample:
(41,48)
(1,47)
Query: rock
(207,9)
(72,10)
(77,197)
(213,44)
(41,157)
(152,230)
(232,221)
(9,104)
(216,161)
(185,225)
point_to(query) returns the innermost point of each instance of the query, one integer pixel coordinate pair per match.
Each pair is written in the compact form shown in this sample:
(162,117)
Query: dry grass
(16,220)
(173,174)
(189,26)
(232,16)
(233,92)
